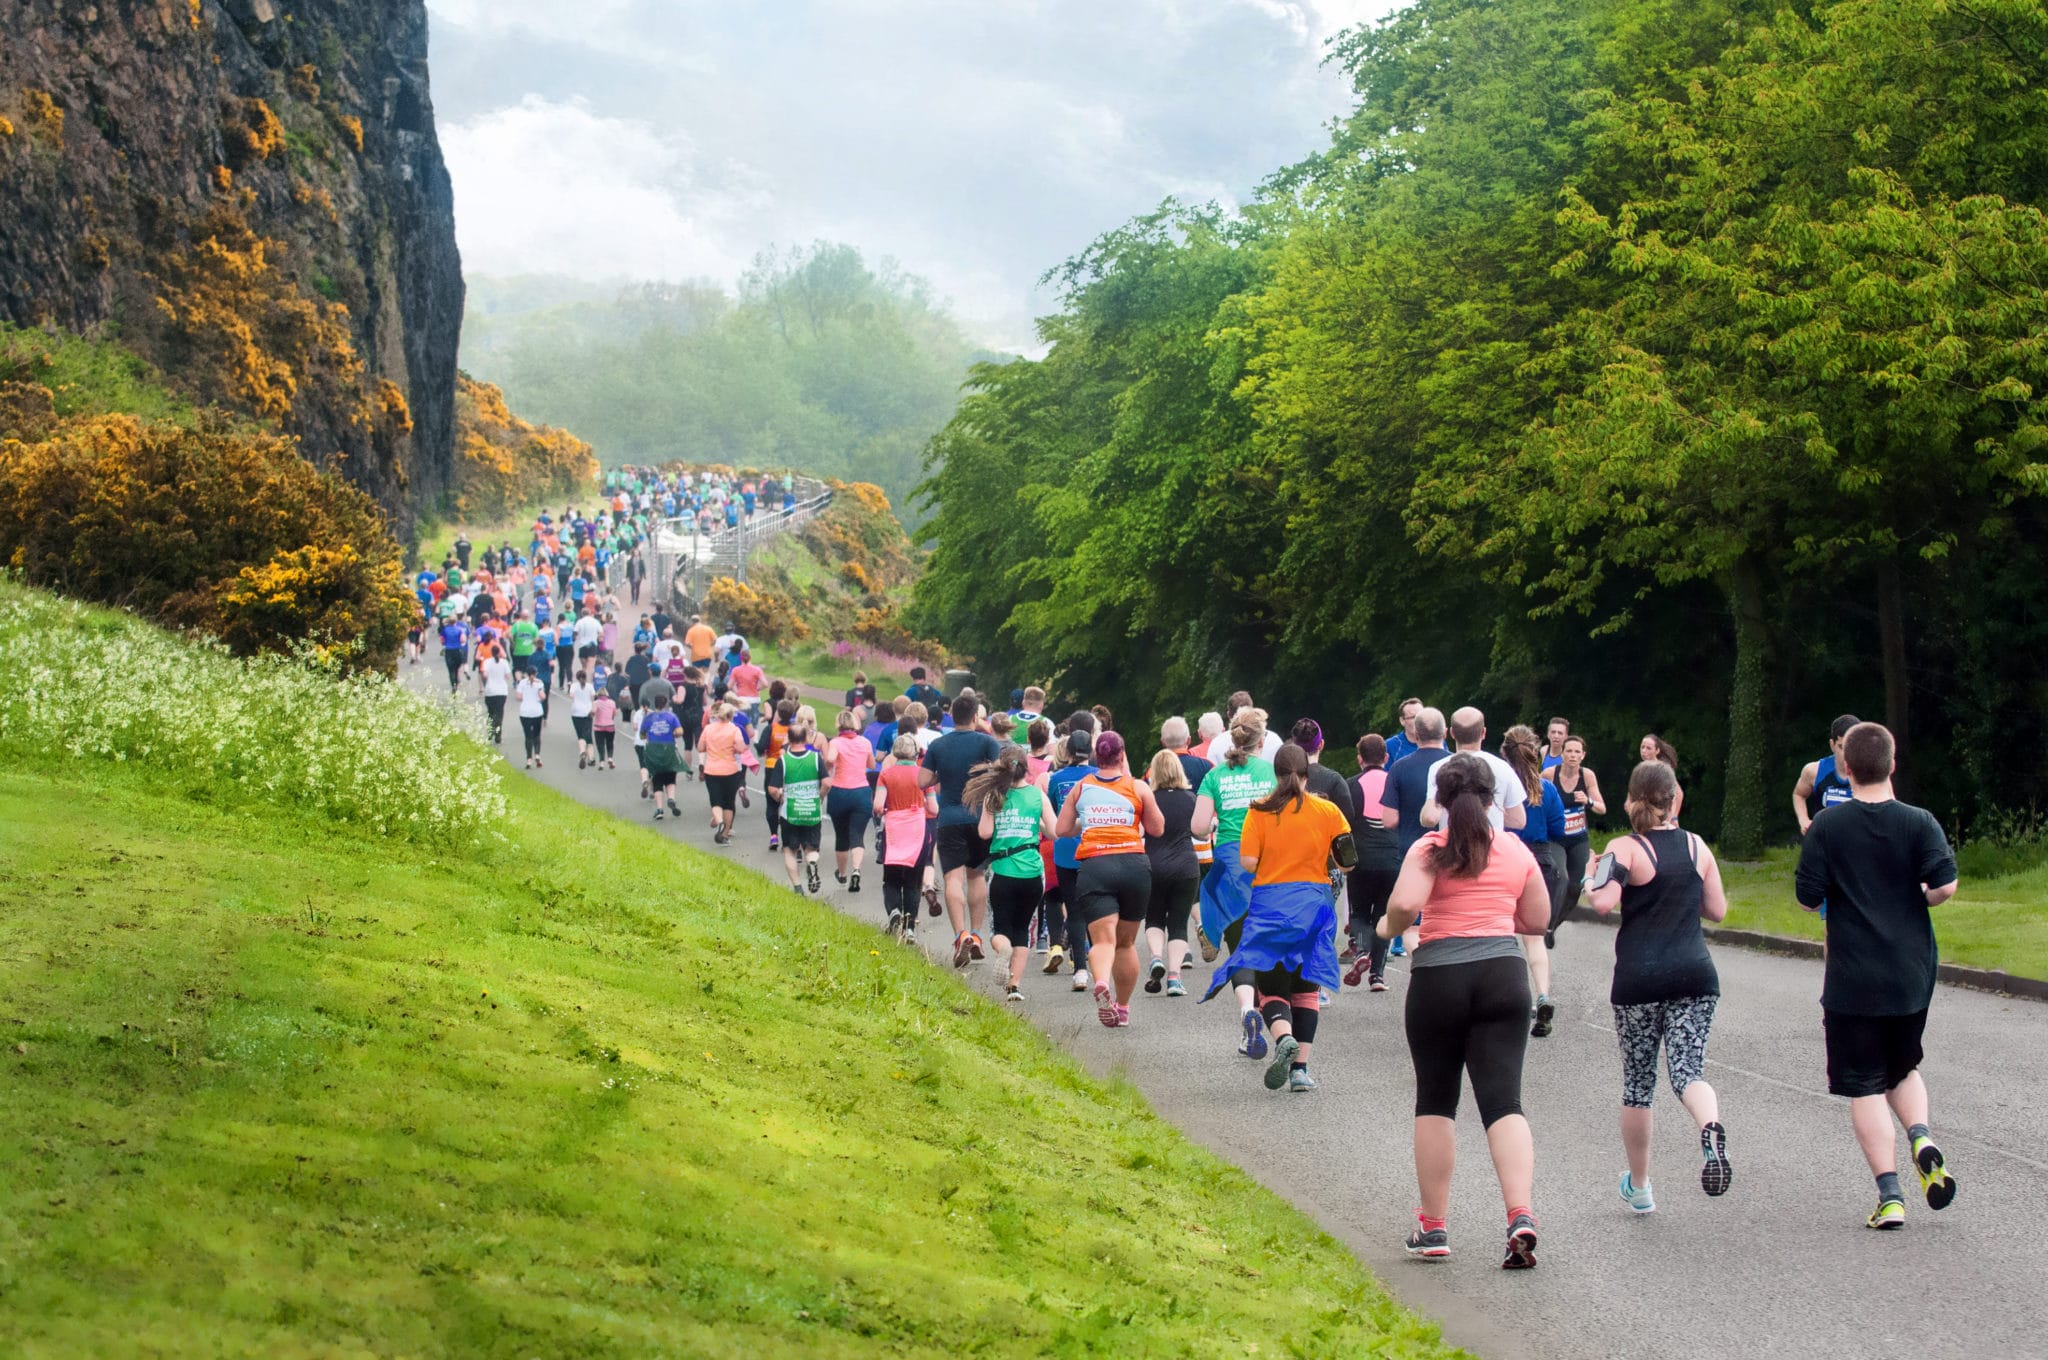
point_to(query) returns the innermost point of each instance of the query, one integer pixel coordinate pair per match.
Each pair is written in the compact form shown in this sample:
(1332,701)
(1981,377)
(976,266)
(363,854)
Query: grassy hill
(471,1070)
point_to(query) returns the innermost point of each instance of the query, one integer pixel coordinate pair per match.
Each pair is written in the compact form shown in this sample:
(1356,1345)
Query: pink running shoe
(1105,1005)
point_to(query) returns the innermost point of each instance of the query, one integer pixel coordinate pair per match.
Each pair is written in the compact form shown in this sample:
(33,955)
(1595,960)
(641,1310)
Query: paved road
(1781,1266)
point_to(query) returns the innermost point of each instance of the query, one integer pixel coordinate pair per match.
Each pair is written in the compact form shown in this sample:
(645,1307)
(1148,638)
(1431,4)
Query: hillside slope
(285,1087)
(252,194)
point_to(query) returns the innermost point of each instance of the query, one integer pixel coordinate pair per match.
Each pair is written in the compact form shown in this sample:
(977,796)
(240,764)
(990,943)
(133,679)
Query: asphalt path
(1782,1265)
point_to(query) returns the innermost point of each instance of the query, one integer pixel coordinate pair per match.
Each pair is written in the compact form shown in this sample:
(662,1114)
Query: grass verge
(283,1088)
(814,664)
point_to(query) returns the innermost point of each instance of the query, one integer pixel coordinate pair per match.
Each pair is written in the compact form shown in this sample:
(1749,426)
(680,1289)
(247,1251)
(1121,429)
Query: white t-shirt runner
(1507,786)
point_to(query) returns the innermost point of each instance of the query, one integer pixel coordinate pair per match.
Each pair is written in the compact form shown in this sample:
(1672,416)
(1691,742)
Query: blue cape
(1290,925)
(1226,892)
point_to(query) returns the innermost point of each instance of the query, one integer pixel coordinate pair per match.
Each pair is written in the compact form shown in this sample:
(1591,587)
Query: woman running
(604,728)
(1227,794)
(1654,747)
(1176,876)
(793,783)
(721,747)
(1579,787)
(659,729)
(582,697)
(1112,814)
(1523,752)
(1468,1000)
(905,811)
(1063,901)
(1371,880)
(768,746)
(1014,817)
(1665,986)
(1289,940)
(533,711)
(848,758)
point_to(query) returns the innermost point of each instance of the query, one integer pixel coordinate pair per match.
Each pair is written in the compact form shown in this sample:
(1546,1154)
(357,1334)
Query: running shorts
(1113,885)
(1868,1055)
(724,790)
(661,779)
(960,848)
(1011,903)
(801,838)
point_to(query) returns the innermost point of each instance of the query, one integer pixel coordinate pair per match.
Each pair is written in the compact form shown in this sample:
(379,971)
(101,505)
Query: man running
(922,691)
(1403,743)
(1554,738)
(701,641)
(961,850)
(1409,781)
(1510,810)
(1824,782)
(1879,864)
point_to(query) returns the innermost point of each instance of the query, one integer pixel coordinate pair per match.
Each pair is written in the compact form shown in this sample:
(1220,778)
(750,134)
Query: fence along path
(689,559)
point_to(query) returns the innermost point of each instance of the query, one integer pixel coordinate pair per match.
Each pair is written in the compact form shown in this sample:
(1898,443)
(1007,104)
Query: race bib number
(1575,821)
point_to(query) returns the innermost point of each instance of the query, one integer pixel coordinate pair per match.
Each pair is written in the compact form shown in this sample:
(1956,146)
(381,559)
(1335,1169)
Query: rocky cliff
(250,194)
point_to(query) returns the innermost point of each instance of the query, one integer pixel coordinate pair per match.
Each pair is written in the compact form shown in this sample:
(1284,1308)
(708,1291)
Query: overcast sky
(976,142)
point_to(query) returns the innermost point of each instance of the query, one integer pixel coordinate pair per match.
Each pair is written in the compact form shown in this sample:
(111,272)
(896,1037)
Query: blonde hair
(905,747)
(1165,772)
(1247,736)
(847,722)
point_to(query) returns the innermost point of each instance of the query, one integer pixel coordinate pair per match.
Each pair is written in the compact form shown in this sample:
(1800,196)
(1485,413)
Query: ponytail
(1464,790)
(1290,766)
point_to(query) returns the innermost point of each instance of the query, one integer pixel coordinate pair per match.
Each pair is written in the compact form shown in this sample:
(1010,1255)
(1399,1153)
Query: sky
(977,143)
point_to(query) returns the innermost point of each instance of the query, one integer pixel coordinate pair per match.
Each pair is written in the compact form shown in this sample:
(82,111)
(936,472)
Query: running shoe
(1208,948)
(1546,1011)
(1298,1080)
(1174,988)
(1253,1045)
(745,801)
(1349,953)
(1158,978)
(1397,948)
(1105,1005)
(811,876)
(797,888)
(895,926)
(1054,959)
(1521,1252)
(721,838)
(1637,1197)
(1013,994)
(775,843)
(673,810)
(1889,1214)
(657,812)
(1080,979)
(1123,1015)
(1431,1244)
(853,881)
(645,792)
(1355,974)
(961,953)
(1284,1049)
(1940,1187)
(1376,983)
(582,761)
(974,944)
(1715,1173)
(839,874)
(536,763)
(931,901)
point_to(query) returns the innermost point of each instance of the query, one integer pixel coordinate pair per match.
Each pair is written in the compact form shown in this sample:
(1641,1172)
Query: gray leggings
(1680,1027)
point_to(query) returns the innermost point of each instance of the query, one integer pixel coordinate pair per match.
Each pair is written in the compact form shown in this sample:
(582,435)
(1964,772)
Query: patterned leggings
(1681,1027)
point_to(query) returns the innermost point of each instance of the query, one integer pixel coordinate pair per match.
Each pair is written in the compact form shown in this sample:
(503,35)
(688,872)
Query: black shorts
(686,735)
(661,779)
(724,790)
(582,726)
(1868,1055)
(1113,885)
(587,650)
(960,848)
(801,838)
(1011,902)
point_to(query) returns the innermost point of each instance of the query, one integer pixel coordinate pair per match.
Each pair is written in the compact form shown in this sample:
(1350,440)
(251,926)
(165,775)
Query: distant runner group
(1461,853)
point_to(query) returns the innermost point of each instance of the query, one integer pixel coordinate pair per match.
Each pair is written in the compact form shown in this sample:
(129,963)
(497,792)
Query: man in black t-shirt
(961,852)
(1879,865)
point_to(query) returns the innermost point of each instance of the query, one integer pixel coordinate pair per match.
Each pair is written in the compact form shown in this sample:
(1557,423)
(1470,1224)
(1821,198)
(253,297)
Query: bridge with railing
(689,558)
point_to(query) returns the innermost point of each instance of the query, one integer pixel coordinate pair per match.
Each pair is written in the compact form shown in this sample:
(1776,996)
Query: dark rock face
(250,194)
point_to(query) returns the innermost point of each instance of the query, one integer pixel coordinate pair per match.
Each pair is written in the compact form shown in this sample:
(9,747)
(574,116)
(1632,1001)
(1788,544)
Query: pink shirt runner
(850,756)
(1463,908)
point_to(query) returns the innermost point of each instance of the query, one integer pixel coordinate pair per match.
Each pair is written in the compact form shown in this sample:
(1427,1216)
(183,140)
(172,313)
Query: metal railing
(690,559)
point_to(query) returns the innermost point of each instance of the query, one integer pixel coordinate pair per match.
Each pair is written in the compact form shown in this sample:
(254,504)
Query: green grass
(279,1089)
(90,377)
(1990,923)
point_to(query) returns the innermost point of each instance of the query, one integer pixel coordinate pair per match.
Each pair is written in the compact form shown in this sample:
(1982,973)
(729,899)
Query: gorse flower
(360,749)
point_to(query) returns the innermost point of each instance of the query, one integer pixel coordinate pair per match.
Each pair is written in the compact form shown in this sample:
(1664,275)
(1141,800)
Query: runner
(494,678)
(454,650)
(658,729)
(962,853)
(1404,743)
(1665,986)
(1029,709)
(1069,937)
(1227,793)
(1288,943)
(905,809)
(1371,880)
(533,710)
(692,701)
(1406,794)
(699,639)
(582,699)
(792,784)
(1879,865)
(1554,737)
(768,745)
(848,759)
(1654,747)
(1580,789)
(1219,747)
(1825,782)
(1112,814)
(1176,874)
(1474,889)
(1014,817)
(604,721)
(1541,832)
(722,745)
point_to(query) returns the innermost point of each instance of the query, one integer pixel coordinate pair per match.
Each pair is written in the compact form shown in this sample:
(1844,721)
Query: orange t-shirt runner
(1293,845)
(1108,810)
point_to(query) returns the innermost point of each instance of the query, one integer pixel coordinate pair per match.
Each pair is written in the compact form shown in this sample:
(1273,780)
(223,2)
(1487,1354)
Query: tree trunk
(1742,808)
(1898,686)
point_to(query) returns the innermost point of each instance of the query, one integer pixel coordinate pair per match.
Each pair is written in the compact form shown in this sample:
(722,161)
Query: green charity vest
(801,803)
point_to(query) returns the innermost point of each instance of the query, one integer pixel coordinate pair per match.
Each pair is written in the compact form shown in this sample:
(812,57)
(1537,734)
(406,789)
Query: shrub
(504,464)
(883,627)
(761,615)
(225,531)
(274,729)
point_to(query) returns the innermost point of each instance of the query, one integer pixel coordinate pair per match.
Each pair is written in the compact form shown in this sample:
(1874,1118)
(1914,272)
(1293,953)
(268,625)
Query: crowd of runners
(1114,866)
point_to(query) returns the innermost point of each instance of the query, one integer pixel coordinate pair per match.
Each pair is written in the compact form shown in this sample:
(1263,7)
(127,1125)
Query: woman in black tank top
(1665,986)
(1580,788)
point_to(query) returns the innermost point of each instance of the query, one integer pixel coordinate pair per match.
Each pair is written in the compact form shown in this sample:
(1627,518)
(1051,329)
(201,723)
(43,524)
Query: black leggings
(1576,853)
(900,883)
(453,656)
(1066,915)
(1469,1017)
(1011,901)
(1284,994)
(849,810)
(494,704)
(532,729)
(1368,890)
(606,736)
(1172,900)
